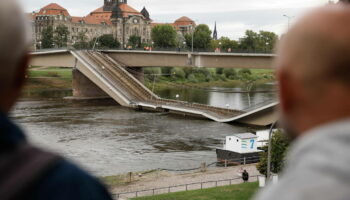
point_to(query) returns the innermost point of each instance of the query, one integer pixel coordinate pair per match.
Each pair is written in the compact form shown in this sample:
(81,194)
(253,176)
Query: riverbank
(41,79)
(244,191)
(159,179)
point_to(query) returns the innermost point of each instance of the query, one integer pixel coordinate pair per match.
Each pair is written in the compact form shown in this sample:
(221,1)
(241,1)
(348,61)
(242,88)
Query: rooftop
(245,135)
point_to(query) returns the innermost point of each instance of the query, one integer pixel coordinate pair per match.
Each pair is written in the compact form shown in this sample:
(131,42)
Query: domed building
(114,17)
(183,25)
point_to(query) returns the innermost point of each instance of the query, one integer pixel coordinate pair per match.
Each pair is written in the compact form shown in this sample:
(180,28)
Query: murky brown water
(108,139)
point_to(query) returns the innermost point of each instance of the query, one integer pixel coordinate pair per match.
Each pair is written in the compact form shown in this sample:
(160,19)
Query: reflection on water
(234,98)
(109,139)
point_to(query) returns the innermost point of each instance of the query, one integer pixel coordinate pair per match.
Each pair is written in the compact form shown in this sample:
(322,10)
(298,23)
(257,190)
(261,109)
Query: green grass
(233,192)
(44,79)
(262,71)
(51,72)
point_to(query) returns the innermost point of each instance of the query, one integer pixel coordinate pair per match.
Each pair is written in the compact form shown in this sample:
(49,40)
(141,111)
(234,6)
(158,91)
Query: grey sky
(233,16)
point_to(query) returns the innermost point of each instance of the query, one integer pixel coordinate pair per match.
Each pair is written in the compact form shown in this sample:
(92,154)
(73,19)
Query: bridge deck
(112,77)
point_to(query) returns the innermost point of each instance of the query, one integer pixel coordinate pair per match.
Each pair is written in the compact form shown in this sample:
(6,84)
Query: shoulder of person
(67,181)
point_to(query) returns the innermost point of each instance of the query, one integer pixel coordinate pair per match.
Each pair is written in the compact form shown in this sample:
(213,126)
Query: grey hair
(14,41)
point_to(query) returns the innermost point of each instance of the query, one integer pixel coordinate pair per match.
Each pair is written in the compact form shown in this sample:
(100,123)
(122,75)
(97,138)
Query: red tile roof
(127,10)
(97,16)
(184,21)
(53,9)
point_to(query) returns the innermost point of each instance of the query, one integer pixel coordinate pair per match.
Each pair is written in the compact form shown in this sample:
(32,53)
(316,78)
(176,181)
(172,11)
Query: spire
(215,34)
(145,13)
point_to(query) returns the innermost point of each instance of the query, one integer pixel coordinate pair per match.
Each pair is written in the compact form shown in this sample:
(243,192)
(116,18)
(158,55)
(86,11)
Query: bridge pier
(136,72)
(83,88)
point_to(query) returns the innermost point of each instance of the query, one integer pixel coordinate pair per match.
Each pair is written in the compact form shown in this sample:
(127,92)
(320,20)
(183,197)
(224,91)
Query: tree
(134,41)
(106,41)
(279,144)
(264,41)
(164,36)
(227,43)
(250,41)
(267,41)
(47,38)
(201,37)
(61,36)
(82,41)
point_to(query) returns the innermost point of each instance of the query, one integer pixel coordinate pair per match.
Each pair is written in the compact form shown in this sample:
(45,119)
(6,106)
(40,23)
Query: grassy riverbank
(233,192)
(41,79)
(54,78)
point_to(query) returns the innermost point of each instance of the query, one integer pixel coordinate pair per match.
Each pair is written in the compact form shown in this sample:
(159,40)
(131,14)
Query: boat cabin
(242,143)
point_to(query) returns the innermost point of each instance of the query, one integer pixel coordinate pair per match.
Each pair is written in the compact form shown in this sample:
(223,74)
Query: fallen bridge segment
(113,78)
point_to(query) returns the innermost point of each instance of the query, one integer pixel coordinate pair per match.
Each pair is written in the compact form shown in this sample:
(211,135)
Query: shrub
(178,73)
(244,71)
(166,71)
(219,71)
(230,73)
(279,143)
(152,72)
(192,78)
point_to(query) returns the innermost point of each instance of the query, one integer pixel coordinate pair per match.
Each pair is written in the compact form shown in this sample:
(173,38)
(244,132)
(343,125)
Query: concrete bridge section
(111,78)
(60,58)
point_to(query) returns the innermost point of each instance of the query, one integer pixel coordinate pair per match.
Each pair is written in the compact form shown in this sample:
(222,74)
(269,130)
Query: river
(107,139)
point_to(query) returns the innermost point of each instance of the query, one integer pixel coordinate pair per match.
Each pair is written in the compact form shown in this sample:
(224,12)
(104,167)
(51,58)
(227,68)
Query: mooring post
(129,177)
(203,167)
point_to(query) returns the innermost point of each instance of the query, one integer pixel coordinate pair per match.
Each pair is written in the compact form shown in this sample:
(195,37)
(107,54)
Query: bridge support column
(84,88)
(137,72)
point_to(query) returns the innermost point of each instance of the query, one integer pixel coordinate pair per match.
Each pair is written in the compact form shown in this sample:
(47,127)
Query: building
(115,17)
(215,33)
(183,25)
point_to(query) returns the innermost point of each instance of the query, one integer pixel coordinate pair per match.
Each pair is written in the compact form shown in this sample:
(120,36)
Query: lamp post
(192,36)
(220,43)
(269,149)
(267,47)
(289,19)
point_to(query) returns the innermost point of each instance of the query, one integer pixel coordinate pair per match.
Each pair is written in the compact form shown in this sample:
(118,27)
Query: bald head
(14,41)
(314,65)
(318,47)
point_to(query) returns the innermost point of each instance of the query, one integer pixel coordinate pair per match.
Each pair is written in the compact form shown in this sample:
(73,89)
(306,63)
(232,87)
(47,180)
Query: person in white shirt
(313,70)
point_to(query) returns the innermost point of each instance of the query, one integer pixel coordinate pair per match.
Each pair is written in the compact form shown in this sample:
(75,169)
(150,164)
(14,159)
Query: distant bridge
(57,58)
(98,72)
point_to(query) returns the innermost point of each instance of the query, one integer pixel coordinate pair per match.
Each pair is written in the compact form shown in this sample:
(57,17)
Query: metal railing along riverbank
(182,187)
(195,185)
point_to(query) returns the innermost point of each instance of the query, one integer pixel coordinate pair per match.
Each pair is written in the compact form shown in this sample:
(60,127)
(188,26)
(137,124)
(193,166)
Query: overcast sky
(233,17)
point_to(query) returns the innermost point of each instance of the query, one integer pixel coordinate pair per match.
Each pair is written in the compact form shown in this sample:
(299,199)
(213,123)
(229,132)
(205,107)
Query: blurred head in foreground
(14,41)
(313,69)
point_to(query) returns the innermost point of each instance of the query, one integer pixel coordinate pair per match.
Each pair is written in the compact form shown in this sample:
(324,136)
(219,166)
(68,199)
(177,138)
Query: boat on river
(239,149)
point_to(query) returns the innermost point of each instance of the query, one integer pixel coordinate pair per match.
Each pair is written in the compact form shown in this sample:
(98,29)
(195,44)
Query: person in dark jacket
(245,176)
(27,172)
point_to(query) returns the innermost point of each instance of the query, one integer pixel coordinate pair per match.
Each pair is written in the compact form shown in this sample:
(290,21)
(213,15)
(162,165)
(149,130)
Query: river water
(107,139)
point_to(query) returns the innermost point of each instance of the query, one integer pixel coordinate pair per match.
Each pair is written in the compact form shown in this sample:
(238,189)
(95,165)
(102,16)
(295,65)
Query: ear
(286,92)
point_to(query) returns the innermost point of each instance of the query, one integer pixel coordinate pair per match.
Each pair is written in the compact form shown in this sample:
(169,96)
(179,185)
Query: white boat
(239,149)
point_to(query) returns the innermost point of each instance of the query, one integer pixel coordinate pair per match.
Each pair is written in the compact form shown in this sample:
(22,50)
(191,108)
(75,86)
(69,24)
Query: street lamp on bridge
(289,19)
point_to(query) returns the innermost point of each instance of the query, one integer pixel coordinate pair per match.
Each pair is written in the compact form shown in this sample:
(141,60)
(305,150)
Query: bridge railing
(243,51)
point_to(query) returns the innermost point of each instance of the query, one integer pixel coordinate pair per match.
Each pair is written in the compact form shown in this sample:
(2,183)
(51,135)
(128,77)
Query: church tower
(215,34)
